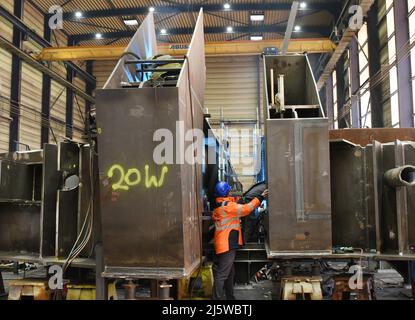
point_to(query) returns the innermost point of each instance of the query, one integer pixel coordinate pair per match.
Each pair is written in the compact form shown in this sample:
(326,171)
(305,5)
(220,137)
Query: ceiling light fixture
(229,29)
(98,36)
(256,38)
(303,5)
(297,28)
(257,17)
(163,31)
(131,22)
(226,6)
(151,9)
(78,14)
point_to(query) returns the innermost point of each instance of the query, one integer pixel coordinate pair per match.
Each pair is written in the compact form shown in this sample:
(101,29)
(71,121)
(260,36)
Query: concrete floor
(389,286)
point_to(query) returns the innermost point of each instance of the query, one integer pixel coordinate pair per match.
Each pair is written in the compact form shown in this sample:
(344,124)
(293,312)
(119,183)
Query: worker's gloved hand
(263,195)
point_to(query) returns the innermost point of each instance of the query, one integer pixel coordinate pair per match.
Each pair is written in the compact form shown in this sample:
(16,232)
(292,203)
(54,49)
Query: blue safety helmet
(222,189)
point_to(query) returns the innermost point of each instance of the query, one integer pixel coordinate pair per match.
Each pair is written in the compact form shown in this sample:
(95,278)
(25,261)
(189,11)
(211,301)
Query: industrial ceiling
(103,22)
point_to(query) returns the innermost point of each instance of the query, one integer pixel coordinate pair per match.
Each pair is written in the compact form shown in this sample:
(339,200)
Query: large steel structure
(45,198)
(298,168)
(152,226)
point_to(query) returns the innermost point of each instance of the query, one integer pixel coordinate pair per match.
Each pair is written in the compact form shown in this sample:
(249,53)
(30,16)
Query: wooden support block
(36,289)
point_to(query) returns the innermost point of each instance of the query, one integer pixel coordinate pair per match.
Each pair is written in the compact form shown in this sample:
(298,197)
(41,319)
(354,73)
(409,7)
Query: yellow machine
(88,292)
(198,286)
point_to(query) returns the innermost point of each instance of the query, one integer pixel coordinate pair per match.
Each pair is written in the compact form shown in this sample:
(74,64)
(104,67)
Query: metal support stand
(165,291)
(100,282)
(154,289)
(130,289)
(412,276)
(315,268)
(2,290)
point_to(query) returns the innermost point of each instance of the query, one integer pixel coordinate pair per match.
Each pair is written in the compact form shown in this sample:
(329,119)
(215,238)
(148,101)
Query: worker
(228,236)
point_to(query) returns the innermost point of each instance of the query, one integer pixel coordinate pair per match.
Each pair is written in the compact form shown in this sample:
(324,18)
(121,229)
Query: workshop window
(393,72)
(411,17)
(335,104)
(364,75)
(347,109)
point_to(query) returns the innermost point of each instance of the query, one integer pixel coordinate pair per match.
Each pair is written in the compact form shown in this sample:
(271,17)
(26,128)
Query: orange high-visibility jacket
(226,217)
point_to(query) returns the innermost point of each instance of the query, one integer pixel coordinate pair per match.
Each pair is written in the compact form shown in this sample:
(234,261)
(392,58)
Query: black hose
(129,53)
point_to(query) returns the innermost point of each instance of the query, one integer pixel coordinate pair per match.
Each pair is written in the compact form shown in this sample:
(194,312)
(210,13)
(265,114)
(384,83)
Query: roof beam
(347,35)
(213,48)
(263,6)
(323,31)
(290,26)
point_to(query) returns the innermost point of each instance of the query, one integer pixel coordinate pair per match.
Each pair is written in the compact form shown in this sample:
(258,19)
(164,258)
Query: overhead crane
(318,45)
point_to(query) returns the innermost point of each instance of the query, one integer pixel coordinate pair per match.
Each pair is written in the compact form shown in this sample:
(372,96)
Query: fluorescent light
(226,6)
(131,22)
(303,5)
(98,36)
(78,14)
(256,38)
(297,28)
(163,31)
(151,9)
(229,29)
(257,17)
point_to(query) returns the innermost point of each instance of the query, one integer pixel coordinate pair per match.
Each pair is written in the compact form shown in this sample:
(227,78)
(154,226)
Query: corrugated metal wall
(58,95)
(57,113)
(5,80)
(30,119)
(30,108)
(79,108)
(102,71)
(31,88)
(232,85)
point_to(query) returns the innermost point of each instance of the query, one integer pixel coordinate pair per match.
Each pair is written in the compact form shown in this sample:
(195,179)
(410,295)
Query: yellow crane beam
(214,48)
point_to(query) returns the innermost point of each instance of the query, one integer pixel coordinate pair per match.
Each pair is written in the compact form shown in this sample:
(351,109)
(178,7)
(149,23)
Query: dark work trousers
(224,276)
(251,229)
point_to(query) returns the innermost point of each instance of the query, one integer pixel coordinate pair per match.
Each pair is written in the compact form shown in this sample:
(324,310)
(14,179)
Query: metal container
(397,215)
(373,192)
(39,217)
(353,195)
(298,163)
(151,213)
(25,214)
(298,169)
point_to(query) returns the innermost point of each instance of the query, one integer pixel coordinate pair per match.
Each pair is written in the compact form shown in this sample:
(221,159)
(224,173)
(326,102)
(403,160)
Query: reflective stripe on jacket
(226,217)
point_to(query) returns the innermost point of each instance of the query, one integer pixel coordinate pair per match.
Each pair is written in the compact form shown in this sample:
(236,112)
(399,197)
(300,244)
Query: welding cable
(129,53)
(75,246)
(76,250)
(16,108)
(66,264)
